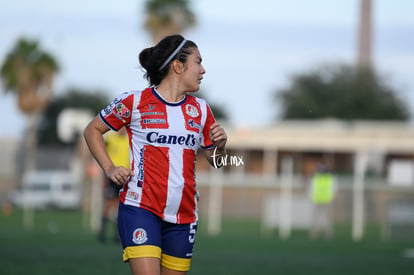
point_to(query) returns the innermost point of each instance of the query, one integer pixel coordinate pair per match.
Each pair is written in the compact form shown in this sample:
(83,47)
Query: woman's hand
(218,136)
(119,174)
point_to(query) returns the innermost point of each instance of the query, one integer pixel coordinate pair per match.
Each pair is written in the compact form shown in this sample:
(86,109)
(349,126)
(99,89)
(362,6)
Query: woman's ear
(177,66)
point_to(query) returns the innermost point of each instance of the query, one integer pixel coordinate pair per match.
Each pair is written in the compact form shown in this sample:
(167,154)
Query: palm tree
(165,17)
(28,71)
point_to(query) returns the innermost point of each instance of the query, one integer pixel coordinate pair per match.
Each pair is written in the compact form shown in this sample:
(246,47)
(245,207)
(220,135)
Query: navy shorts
(143,234)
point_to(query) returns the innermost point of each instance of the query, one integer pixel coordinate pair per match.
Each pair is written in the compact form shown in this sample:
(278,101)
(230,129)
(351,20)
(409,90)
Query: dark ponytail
(151,59)
(144,57)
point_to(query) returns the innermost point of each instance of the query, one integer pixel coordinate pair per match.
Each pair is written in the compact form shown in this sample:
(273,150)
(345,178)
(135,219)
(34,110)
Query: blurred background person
(118,150)
(322,194)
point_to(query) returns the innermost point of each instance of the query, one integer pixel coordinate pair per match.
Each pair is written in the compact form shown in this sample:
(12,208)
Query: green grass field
(59,244)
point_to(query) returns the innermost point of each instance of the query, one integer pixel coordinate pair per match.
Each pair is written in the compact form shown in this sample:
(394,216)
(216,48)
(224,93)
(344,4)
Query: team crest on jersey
(139,236)
(191,110)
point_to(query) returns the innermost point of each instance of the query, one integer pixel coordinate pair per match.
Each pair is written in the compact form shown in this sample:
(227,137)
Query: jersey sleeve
(118,112)
(206,143)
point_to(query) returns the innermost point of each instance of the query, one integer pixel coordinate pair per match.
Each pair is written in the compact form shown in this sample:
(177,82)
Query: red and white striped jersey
(163,138)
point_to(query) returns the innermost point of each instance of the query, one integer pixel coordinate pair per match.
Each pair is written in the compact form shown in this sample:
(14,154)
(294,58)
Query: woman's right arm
(93,135)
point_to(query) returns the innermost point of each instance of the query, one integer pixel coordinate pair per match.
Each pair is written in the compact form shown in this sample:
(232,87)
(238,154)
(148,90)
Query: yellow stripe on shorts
(174,263)
(143,251)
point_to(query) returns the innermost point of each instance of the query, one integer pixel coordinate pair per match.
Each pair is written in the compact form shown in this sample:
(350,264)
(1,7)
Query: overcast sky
(249,48)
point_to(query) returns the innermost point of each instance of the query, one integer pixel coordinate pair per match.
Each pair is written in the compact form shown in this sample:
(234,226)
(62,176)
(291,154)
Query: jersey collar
(160,98)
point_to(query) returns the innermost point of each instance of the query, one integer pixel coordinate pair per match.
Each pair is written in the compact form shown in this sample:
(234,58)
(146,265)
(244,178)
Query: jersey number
(193,231)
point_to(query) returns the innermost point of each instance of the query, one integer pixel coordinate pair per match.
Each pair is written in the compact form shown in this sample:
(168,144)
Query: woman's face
(194,71)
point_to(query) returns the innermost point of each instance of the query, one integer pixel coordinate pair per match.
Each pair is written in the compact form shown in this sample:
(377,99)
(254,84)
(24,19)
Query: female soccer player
(157,217)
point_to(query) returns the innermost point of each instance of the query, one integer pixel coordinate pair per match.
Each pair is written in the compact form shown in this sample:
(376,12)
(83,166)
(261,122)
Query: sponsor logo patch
(193,124)
(108,109)
(153,121)
(122,110)
(156,137)
(153,116)
(132,195)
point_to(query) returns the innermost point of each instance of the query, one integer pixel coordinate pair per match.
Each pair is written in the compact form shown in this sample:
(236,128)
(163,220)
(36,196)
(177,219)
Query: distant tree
(218,112)
(165,17)
(73,98)
(28,71)
(341,92)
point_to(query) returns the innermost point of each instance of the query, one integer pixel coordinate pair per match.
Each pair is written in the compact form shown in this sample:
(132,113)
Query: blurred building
(307,142)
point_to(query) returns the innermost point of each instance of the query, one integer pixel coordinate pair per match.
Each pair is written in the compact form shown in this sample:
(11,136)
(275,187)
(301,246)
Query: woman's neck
(170,93)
